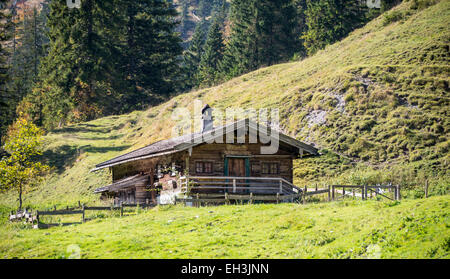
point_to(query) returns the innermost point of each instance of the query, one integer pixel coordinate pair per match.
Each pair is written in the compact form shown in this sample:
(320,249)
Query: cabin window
(270,168)
(203,167)
(254,168)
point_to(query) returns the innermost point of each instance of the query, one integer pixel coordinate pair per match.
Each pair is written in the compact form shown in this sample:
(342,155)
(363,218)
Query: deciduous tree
(19,169)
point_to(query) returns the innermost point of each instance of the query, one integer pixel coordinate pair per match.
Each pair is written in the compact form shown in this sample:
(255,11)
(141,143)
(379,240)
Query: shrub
(392,17)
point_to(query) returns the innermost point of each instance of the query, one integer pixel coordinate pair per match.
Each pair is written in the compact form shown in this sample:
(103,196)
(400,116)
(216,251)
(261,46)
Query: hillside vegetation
(376,103)
(348,229)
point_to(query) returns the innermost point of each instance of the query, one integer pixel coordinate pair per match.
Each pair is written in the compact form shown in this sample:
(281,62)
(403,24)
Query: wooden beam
(152,183)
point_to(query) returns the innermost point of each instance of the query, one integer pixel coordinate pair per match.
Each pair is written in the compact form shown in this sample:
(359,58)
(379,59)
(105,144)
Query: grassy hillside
(349,229)
(376,103)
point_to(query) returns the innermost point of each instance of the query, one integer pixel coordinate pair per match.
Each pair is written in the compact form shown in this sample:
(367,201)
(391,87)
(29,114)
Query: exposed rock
(316,117)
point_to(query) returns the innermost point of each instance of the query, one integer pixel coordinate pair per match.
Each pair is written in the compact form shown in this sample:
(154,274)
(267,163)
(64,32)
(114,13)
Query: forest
(62,65)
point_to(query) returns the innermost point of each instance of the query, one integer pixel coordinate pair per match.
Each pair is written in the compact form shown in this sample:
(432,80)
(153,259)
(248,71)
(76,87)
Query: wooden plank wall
(216,153)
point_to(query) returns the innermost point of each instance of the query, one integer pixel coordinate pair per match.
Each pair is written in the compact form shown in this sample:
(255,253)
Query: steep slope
(379,98)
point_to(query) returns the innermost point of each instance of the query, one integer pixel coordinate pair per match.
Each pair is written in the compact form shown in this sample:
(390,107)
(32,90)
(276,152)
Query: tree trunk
(20,197)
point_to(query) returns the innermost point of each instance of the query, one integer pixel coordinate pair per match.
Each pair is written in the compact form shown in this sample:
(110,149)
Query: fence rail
(238,184)
(362,191)
(34,217)
(284,192)
(227,198)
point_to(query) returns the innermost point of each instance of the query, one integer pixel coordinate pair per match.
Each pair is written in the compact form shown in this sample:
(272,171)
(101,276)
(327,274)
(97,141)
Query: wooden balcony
(238,185)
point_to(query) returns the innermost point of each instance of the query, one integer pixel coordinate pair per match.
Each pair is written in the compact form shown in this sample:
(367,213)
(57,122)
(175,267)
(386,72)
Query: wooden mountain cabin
(205,164)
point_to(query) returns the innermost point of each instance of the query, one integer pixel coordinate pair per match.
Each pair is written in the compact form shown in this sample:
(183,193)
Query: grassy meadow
(344,229)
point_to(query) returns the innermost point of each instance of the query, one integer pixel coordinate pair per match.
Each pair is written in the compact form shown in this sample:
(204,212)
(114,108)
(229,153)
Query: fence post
(329,194)
(198,197)
(398,192)
(333,195)
(364,193)
(37,219)
(343,192)
(251,198)
(426,188)
(83,218)
(281,186)
(188,190)
(226,198)
(79,204)
(353,192)
(304,195)
(278,198)
(234,185)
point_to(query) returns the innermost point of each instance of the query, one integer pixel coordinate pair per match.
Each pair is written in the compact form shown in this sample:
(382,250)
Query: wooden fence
(226,198)
(365,191)
(317,191)
(332,192)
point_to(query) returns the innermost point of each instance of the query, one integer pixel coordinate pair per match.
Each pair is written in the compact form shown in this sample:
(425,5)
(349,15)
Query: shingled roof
(185,142)
(123,183)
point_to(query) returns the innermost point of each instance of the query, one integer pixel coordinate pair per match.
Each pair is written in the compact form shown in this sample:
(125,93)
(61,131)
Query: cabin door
(237,167)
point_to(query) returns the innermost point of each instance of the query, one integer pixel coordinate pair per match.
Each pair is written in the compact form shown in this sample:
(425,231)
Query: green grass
(384,90)
(346,229)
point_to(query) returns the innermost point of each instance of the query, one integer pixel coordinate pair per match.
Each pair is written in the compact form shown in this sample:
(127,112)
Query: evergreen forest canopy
(62,65)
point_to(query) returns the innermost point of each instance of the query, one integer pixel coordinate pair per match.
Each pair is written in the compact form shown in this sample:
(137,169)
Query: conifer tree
(6,97)
(204,8)
(76,72)
(262,33)
(31,41)
(212,55)
(107,57)
(184,16)
(331,20)
(192,56)
(151,50)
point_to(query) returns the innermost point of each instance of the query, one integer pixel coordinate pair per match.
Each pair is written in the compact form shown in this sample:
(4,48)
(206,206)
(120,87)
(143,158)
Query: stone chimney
(207,118)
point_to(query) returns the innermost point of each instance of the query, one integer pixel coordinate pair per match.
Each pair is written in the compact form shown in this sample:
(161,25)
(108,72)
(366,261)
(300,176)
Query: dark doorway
(237,167)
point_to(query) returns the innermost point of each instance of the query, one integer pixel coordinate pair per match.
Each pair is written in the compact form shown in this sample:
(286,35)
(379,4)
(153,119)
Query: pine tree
(300,26)
(388,4)
(331,20)
(31,41)
(5,96)
(212,56)
(151,51)
(107,57)
(204,8)
(76,73)
(192,56)
(184,16)
(262,33)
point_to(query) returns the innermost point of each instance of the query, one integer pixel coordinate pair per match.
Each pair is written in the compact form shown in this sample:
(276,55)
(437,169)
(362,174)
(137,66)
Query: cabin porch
(222,188)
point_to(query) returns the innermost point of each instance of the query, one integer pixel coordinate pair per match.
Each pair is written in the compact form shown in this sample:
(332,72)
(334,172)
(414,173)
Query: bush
(392,17)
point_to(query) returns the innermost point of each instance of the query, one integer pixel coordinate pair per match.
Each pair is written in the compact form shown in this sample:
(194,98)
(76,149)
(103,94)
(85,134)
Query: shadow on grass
(102,138)
(65,156)
(51,225)
(85,128)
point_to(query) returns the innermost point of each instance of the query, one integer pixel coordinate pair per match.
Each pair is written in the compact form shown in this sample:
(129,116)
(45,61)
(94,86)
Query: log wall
(214,153)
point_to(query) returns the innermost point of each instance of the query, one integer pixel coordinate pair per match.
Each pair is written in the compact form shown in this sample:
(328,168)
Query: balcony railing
(238,185)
